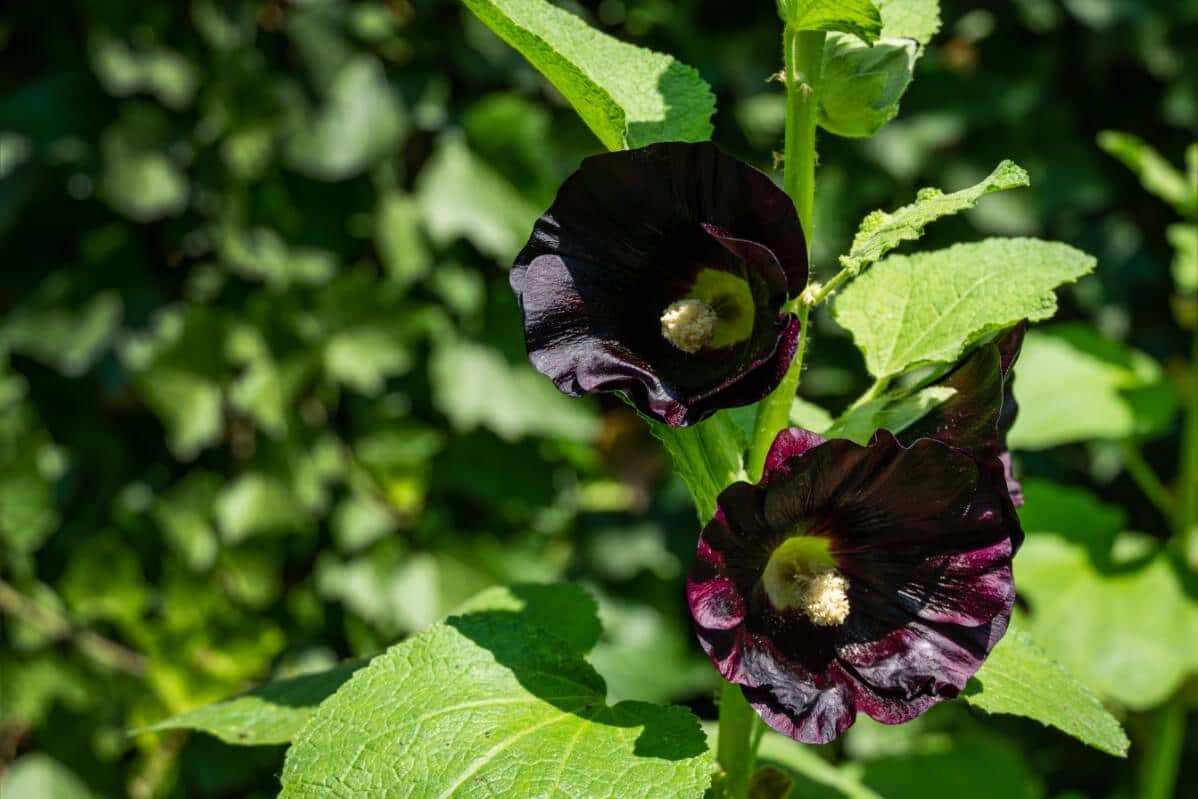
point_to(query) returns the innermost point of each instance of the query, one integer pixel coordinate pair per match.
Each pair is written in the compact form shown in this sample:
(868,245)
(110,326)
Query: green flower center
(718,312)
(801,575)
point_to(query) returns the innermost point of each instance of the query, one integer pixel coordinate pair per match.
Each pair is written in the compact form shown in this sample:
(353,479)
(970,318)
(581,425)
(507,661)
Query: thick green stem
(1187,509)
(803,53)
(1162,756)
(736,750)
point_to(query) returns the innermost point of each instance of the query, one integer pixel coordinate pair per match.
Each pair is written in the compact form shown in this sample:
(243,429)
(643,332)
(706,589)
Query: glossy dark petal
(923,533)
(627,236)
(979,415)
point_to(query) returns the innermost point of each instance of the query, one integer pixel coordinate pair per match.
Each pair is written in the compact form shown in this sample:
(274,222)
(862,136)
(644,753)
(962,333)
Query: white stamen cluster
(688,324)
(824,597)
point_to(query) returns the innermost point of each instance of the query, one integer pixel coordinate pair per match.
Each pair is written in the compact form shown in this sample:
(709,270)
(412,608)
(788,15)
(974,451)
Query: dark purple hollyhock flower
(853,578)
(661,273)
(979,415)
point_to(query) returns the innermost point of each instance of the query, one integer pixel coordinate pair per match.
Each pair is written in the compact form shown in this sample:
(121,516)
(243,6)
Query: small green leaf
(41,776)
(144,185)
(894,412)
(161,72)
(1019,678)
(269,714)
(399,239)
(1075,385)
(627,95)
(462,196)
(262,254)
(881,232)
(491,704)
(858,17)
(1184,239)
(1156,174)
(910,19)
(861,85)
(707,456)
(929,307)
(361,121)
(816,776)
(475,386)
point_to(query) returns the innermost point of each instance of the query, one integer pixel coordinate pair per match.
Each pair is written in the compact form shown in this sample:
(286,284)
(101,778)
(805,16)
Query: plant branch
(1186,521)
(1143,475)
(1162,755)
(54,625)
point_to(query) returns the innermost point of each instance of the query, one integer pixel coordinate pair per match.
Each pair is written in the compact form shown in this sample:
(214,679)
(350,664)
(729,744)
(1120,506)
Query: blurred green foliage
(264,403)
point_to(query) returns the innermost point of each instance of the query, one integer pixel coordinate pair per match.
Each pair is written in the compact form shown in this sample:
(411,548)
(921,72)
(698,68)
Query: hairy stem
(803,53)
(736,749)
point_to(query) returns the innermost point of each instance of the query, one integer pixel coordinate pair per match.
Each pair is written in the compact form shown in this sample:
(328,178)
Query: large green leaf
(490,703)
(1155,172)
(707,456)
(1019,678)
(881,232)
(1075,385)
(858,17)
(929,307)
(269,714)
(1113,609)
(861,85)
(629,96)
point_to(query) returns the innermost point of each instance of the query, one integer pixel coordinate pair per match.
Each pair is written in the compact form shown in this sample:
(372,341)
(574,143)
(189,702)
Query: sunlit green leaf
(910,19)
(1019,678)
(269,714)
(461,196)
(708,456)
(1155,172)
(491,703)
(627,95)
(861,85)
(1184,239)
(929,307)
(881,232)
(858,17)
(475,386)
(124,70)
(1075,385)
(1113,611)
(362,120)
(39,775)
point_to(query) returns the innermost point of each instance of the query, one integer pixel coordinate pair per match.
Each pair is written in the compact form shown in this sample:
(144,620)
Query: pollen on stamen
(824,598)
(688,324)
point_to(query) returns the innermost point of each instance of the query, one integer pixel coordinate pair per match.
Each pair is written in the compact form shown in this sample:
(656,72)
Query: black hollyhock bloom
(979,415)
(855,578)
(661,273)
